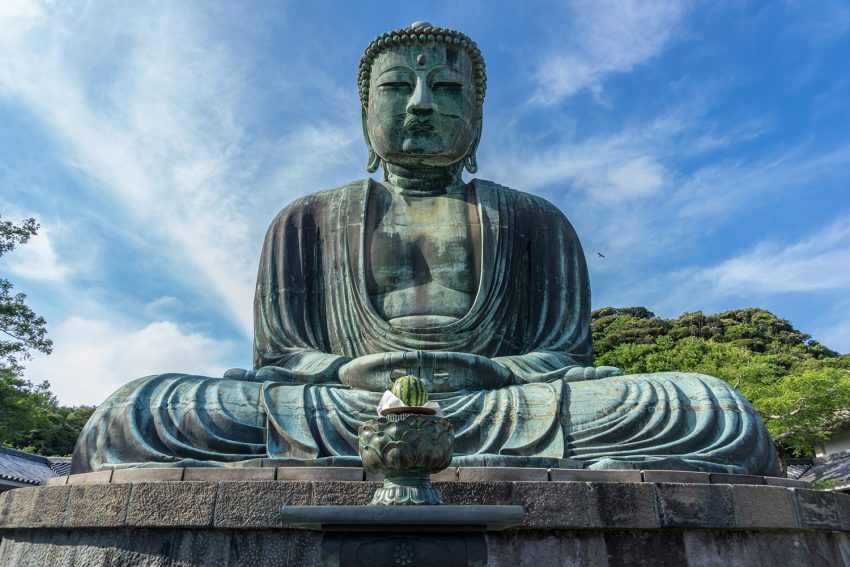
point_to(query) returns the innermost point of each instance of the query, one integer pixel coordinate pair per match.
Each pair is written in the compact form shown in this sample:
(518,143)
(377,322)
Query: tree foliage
(800,387)
(31,419)
(22,330)
(30,416)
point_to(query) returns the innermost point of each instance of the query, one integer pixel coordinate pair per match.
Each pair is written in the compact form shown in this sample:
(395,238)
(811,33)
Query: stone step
(467,474)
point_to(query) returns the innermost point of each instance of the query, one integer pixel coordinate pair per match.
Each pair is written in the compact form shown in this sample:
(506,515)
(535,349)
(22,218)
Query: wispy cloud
(816,264)
(155,130)
(617,187)
(601,37)
(157,125)
(771,273)
(93,357)
(41,261)
(726,185)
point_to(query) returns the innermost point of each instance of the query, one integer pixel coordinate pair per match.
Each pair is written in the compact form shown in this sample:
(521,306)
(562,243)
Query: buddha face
(422,105)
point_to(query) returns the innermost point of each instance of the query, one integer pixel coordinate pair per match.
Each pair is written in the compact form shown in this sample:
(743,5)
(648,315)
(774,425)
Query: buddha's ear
(470,162)
(374,161)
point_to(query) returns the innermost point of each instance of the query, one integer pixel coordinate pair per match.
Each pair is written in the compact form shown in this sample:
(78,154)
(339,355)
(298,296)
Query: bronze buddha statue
(480,290)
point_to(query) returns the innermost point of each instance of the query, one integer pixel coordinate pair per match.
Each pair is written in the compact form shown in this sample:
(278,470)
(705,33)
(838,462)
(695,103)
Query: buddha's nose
(421,103)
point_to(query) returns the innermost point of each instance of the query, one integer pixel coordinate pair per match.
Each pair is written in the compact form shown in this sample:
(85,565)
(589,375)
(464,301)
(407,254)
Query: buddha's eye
(447,86)
(393,86)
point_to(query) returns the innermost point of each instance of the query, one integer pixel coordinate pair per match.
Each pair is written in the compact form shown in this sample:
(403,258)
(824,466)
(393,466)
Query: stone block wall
(149,517)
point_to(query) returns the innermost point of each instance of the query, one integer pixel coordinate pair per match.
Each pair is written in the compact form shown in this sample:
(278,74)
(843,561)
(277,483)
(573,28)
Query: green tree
(24,408)
(800,387)
(23,330)
(30,416)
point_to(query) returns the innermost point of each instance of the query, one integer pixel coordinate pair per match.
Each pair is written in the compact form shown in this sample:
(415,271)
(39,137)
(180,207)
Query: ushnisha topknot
(419,33)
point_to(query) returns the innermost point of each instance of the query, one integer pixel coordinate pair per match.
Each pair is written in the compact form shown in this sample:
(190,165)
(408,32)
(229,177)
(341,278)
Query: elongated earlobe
(374,161)
(470,162)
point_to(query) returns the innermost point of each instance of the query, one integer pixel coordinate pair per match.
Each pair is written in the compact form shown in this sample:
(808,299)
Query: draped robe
(531,314)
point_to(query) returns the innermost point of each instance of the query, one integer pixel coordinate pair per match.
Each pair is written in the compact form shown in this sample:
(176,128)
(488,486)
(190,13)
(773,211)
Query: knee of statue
(479,290)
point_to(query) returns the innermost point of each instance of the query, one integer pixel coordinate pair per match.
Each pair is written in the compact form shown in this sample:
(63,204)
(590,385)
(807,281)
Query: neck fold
(422,180)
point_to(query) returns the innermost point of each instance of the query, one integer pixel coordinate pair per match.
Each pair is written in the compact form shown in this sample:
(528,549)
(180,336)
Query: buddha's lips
(418,124)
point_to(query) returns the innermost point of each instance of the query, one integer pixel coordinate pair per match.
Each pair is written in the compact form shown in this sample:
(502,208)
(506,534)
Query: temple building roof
(835,468)
(19,468)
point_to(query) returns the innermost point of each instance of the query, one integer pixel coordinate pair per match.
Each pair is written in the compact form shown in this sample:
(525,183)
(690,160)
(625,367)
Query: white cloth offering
(390,400)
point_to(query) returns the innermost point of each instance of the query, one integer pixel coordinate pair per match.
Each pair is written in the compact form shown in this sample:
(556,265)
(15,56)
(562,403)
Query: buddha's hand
(581,373)
(281,375)
(440,371)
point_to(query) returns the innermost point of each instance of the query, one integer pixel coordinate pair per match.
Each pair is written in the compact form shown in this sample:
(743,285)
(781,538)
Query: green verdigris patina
(480,290)
(406,449)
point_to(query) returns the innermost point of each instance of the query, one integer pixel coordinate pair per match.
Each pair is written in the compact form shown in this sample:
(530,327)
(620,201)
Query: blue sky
(702,147)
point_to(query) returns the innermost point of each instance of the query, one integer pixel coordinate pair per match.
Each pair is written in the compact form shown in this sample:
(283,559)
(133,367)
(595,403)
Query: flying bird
(601,255)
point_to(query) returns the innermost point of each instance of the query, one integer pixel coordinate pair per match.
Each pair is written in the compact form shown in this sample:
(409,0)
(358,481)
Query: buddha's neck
(423,180)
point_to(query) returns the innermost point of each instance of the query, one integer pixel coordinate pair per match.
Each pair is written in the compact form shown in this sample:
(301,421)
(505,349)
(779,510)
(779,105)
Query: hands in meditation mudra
(480,290)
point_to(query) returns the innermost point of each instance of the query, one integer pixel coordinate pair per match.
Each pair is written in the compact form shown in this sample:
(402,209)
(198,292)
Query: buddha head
(422,90)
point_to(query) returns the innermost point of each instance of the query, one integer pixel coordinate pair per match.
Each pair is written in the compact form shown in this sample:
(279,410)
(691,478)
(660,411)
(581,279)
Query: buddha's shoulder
(519,201)
(329,195)
(323,199)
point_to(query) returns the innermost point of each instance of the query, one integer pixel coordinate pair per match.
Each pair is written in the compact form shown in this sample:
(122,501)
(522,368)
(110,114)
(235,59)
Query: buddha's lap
(184,389)
(635,407)
(181,418)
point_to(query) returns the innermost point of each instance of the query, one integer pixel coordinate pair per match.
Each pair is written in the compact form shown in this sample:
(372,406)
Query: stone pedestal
(222,517)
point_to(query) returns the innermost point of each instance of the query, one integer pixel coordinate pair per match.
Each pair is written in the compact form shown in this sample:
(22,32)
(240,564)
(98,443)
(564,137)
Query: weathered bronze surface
(480,290)
(407,449)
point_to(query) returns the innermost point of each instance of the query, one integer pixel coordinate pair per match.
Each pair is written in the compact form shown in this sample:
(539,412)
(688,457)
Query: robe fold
(531,314)
(312,311)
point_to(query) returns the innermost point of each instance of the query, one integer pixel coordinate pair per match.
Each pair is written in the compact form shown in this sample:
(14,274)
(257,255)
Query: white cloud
(18,14)
(817,264)
(601,37)
(614,187)
(769,273)
(164,303)
(639,177)
(39,261)
(724,186)
(149,105)
(628,195)
(152,109)
(155,133)
(93,357)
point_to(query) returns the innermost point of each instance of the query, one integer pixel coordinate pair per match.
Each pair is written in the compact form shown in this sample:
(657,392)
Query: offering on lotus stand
(407,444)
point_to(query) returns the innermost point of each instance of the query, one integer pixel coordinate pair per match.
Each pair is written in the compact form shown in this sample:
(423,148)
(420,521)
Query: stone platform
(235,516)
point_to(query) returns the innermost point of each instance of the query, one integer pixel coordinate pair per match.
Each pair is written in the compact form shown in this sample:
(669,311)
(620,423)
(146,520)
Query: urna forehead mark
(421,56)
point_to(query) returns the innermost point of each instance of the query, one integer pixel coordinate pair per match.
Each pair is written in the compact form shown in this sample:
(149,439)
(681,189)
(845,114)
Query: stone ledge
(574,505)
(462,474)
(214,547)
(403,518)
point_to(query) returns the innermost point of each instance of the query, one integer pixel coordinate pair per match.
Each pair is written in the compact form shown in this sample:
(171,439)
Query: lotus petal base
(406,448)
(406,491)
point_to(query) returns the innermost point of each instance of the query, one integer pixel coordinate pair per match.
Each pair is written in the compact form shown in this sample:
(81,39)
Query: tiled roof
(833,467)
(27,468)
(798,467)
(60,465)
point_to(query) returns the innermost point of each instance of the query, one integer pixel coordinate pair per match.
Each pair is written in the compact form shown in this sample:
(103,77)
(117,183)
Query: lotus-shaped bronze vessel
(407,449)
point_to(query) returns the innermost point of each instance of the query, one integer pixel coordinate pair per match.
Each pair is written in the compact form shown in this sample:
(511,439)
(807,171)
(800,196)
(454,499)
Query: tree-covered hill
(800,387)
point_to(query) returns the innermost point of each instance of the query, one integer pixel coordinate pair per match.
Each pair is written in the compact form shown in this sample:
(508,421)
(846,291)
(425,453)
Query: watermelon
(410,390)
